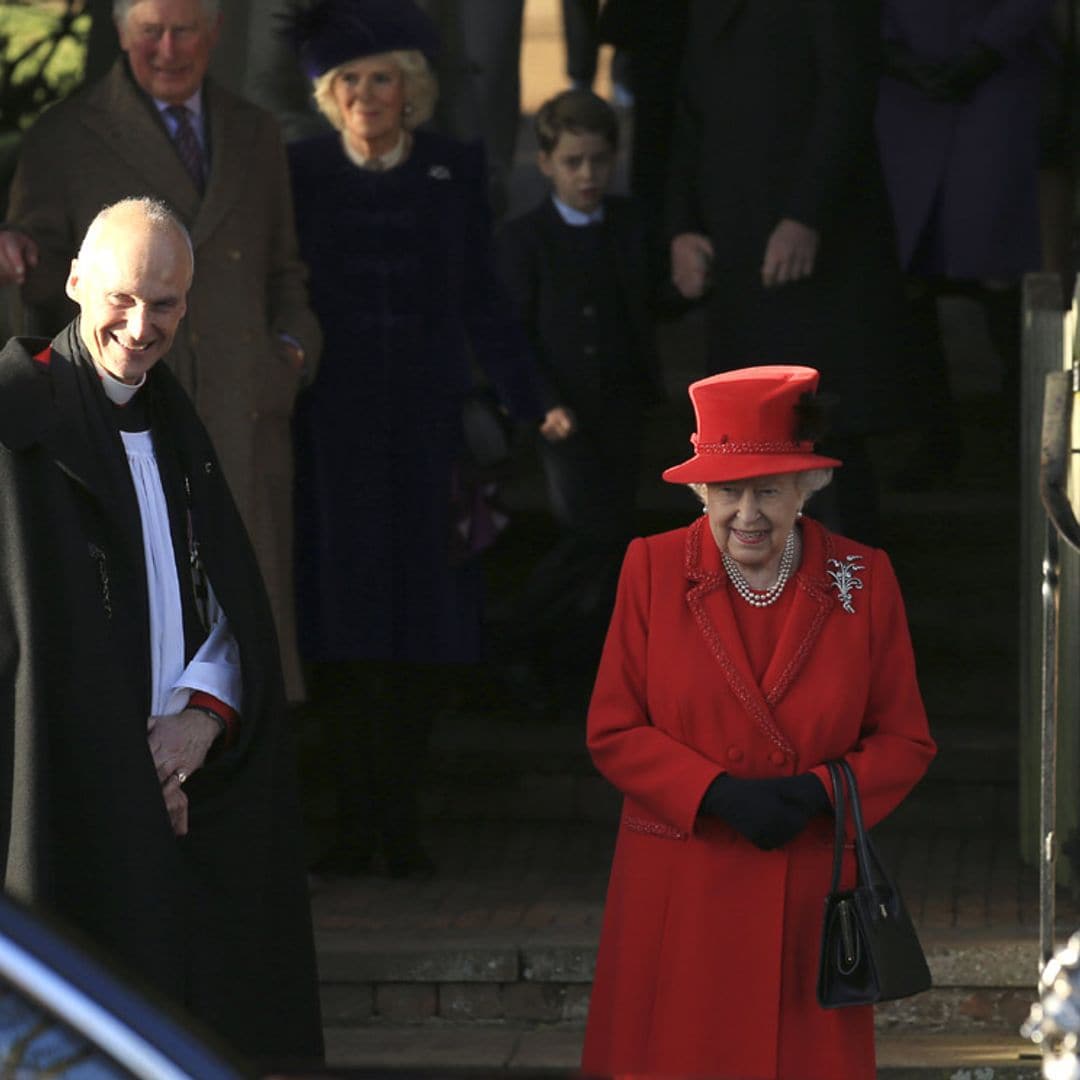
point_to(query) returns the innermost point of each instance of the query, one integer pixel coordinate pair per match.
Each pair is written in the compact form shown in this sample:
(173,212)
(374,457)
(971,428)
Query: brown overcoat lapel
(710,603)
(232,151)
(124,121)
(123,118)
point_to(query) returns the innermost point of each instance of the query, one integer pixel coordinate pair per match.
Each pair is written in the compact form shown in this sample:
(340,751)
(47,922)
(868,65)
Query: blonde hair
(421,88)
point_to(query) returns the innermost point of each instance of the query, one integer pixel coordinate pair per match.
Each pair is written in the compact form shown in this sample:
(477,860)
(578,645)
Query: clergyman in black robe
(146,781)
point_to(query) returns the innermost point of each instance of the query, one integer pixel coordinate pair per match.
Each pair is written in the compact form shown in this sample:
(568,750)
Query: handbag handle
(838,812)
(871,871)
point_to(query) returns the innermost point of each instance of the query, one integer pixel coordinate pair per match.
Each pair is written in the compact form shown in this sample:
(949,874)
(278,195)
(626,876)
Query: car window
(33,1043)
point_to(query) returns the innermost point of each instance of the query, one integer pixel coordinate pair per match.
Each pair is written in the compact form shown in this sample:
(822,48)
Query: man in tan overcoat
(249,337)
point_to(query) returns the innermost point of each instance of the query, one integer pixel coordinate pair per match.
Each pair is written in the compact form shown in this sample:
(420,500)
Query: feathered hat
(333,32)
(756,421)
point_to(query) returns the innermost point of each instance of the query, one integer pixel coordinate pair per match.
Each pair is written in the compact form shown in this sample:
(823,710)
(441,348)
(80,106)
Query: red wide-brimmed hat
(748,424)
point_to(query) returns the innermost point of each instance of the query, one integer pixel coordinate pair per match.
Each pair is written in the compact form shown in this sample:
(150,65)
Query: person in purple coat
(394,224)
(958,130)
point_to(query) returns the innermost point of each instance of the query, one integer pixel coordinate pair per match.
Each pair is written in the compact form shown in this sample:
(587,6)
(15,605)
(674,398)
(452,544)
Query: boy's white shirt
(577,217)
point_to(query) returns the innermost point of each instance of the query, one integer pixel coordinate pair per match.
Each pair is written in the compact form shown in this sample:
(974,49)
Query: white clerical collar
(379,162)
(119,393)
(578,217)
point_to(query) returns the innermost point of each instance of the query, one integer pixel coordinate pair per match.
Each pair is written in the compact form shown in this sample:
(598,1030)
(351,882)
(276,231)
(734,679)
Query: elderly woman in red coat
(744,652)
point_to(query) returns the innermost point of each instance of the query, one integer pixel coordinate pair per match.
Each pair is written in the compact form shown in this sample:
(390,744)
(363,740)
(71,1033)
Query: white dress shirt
(194,106)
(578,217)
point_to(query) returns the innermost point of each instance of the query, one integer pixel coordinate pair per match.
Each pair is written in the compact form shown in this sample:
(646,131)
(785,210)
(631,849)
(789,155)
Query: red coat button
(778,757)
(734,753)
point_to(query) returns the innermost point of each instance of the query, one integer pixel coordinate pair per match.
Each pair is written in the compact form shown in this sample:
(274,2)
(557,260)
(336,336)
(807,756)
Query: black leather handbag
(869,949)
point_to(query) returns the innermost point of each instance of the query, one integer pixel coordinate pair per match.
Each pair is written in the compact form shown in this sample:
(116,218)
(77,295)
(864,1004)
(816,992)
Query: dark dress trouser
(378,718)
(567,601)
(582,39)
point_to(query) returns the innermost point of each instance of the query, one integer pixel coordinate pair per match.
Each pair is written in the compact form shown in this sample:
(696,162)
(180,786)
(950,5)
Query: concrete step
(984,981)
(529,1050)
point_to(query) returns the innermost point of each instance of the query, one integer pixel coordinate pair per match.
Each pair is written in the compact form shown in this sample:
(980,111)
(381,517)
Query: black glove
(964,73)
(768,812)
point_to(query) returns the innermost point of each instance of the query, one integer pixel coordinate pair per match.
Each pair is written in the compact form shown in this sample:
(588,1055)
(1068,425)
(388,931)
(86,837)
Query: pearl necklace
(763,597)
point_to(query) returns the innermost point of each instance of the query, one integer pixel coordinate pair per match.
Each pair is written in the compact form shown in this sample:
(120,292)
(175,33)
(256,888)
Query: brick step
(532,1050)
(984,982)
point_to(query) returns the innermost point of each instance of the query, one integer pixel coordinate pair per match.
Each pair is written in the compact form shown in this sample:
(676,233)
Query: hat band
(752,447)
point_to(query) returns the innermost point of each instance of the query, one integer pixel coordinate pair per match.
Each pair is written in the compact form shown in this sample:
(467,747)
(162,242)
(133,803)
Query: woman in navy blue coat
(395,228)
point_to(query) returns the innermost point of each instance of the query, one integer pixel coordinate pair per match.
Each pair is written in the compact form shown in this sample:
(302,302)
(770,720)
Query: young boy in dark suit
(576,266)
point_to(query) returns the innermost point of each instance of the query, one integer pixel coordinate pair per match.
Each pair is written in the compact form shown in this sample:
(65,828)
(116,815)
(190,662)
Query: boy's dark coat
(536,262)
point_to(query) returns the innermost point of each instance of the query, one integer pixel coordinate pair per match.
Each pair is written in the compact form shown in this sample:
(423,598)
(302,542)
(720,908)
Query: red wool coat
(709,951)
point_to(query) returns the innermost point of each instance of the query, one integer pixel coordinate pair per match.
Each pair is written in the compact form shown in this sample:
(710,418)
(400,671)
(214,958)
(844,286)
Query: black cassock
(217,921)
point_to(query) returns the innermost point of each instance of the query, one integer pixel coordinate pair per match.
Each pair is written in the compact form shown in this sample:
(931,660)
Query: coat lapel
(812,604)
(810,608)
(711,608)
(125,123)
(69,442)
(100,468)
(231,142)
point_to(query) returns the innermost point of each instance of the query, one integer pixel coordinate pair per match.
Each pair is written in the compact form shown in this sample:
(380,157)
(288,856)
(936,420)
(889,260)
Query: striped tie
(187,146)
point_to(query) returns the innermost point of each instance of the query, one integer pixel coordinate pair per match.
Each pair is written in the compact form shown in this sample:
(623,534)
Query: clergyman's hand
(179,745)
(18,255)
(790,253)
(176,805)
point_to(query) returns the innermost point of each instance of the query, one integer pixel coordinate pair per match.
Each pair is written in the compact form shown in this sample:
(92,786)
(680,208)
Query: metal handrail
(1054,456)
(1055,452)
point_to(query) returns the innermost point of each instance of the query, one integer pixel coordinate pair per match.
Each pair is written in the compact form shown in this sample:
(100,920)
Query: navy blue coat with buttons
(402,281)
(587,309)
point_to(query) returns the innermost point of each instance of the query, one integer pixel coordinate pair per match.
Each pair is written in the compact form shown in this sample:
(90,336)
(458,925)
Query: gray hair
(122,8)
(811,481)
(807,482)
(159,215)
(421,89)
